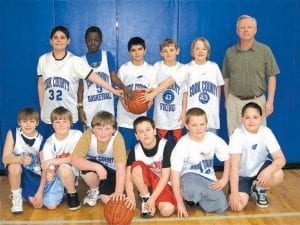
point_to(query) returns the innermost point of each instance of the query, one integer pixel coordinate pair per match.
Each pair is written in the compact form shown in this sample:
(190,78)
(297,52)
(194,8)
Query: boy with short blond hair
(169,105)
(192,163)
(57,161)
(21,157)
(101,156)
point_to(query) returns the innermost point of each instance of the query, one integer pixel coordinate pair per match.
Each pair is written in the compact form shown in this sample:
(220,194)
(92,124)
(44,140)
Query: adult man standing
(245,68)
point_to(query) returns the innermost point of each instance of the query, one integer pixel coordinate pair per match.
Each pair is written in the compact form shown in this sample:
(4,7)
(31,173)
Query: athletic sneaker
(92,197)
(73,202)
(260,194)
(17,202)
(191,203)
(145,213)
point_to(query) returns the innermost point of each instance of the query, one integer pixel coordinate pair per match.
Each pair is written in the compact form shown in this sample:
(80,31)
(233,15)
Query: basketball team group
(162,163)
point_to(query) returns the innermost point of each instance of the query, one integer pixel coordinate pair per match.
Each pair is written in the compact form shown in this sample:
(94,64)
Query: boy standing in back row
(135,74)
(169,108)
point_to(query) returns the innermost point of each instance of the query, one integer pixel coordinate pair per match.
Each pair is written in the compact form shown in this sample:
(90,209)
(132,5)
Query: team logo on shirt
(203,97)
(254,147)
(168,96)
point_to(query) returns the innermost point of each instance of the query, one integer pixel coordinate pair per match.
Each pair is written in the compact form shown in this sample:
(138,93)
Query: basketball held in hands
(117,213)
(135,105)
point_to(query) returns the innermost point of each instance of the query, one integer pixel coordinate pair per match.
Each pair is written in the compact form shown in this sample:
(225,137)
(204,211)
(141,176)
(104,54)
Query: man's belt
(249,97)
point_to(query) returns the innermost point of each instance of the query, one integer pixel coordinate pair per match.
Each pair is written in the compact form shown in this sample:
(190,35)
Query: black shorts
(107,186)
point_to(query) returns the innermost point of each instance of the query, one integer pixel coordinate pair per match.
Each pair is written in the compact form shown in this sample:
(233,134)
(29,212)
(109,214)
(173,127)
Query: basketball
(117,213)
(135,105)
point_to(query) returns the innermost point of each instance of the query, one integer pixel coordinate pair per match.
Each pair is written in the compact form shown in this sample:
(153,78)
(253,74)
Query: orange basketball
(117,213)
(135,105)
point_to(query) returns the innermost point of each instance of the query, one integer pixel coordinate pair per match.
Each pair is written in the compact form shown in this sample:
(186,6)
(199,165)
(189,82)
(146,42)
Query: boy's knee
(166,209)
(51,207)
(14,169)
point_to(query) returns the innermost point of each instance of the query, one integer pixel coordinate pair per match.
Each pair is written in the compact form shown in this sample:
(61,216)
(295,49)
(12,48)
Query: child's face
(59,41)
(169,53)
(28,126)
(137,53)
(145,133)
(200,52)
(252,120)
(197,127)
(93,42)
(103,133)
(61,126)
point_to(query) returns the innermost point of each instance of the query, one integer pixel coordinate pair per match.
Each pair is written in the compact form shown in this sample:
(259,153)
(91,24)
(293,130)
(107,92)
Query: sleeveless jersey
(154,162)
(107,157)
(96,98)
(168,104)
(202,85)
(20,148)
(61,79)
(134,77)
(55,148)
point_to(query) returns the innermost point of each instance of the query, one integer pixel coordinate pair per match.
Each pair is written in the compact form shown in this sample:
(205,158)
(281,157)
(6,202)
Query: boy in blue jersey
(92,98)
(21,156)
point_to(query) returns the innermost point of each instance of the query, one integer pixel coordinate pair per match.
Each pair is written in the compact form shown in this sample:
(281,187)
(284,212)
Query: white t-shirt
(190,156)
(55,148)
(254,148)
(61,79)
(202,86)
(134,77)
(95,97)
(168,104)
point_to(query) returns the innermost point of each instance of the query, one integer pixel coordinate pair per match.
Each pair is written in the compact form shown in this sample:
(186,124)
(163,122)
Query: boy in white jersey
(21,157)
(148,169)
(57,161)
(101,156)
(192,170)
(92,98)
(203,79)
(59,72)
(135,74)
(251,172)
(169,108)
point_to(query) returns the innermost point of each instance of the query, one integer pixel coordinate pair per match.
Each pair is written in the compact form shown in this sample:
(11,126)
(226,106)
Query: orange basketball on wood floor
(117,213)
(135,105)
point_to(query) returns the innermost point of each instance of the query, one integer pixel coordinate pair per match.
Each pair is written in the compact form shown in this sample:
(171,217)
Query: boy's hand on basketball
(128,94)
(148,96)
(117,196)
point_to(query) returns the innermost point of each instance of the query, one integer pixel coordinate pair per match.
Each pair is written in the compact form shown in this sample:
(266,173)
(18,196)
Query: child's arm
(220,184)
(8,157)
(163,181)
(81,112)
(278,163)
(117,81)
(98,80)
(41,90)
(130,202)
(235,200)
(184,107)
(151,95)
(175,179)
(120,182)
(37,200)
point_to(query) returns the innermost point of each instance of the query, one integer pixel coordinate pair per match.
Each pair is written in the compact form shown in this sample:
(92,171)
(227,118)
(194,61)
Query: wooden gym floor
(284,209)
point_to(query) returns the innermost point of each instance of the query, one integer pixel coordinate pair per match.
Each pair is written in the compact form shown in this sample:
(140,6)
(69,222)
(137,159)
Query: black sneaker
(145,213)
(191,203)
(260,194)
(73,202)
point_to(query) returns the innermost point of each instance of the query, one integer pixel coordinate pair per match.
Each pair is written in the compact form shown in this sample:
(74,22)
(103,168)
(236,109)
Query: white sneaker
(92,197)
(17,202)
